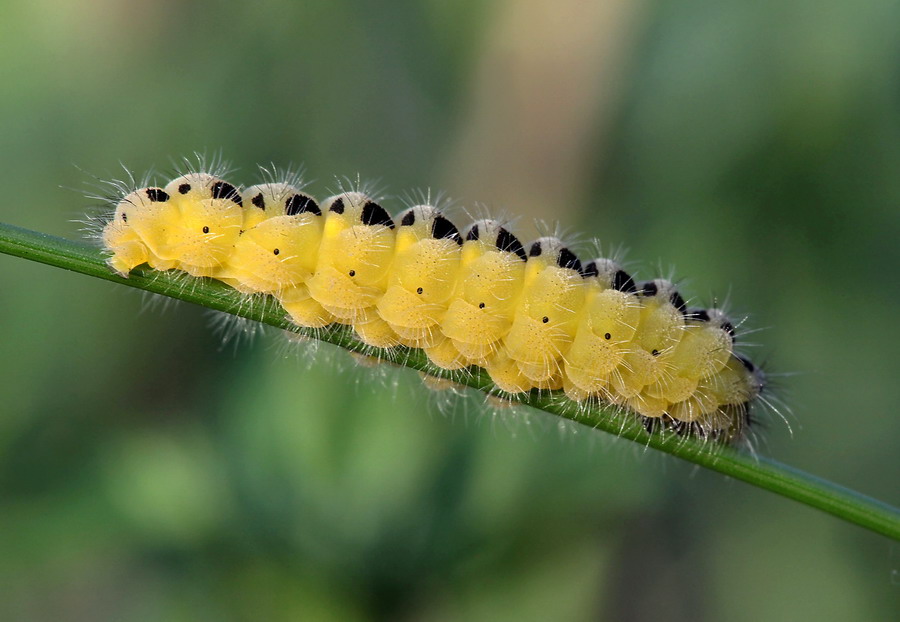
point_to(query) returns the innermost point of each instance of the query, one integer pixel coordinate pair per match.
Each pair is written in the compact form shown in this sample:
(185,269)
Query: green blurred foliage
(147,472)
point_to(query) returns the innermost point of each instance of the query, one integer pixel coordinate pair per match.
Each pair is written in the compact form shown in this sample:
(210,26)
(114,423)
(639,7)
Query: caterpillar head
(279,244)
(205,223)
(137,212)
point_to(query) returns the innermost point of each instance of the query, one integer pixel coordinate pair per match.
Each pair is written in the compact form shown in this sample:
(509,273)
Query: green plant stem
(762,472)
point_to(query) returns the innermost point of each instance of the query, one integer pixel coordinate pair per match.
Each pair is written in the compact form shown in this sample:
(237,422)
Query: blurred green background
(148,473)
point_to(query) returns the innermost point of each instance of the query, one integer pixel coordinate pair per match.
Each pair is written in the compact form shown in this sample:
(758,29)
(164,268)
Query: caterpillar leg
(376,332)
(303,309)
(444,354)
(506,374)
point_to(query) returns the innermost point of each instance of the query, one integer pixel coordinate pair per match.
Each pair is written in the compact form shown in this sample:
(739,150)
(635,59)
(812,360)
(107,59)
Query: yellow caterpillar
(535,317)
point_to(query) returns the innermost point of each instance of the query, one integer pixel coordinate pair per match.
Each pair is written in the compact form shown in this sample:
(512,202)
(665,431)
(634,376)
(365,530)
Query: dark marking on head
(300,204)
(623,282)
(374,214)
(728,327)
(409,218)
(224,190)
(205,229)
(337,206)
(124,217)
(649,289)
(506,241)
(567,259)
(590,269)
(157,195)
(678,302)
(473,233)
(442,228)
(259,201)
(535,250)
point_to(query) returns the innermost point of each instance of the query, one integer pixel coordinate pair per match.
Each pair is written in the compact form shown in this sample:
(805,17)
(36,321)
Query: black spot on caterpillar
(224,190)
(506,241)
(374,214)
(623,282)
(300,203)
(443,228)
(157,195)
(567,259)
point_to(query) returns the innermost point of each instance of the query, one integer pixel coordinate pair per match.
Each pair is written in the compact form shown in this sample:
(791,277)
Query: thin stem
(762,472)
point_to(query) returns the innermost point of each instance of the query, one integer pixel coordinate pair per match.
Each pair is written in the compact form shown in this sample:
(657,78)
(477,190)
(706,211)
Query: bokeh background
(148,473)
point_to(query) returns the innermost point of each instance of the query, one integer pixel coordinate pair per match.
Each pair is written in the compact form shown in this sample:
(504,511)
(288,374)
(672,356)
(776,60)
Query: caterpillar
(534,317)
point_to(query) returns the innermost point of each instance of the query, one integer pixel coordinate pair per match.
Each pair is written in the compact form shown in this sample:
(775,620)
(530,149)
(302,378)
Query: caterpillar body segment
(488,286)
(423,276)
(198,233)
(607,324)
(533,316)
(278,249)
(646,363)
(354,260)
(546,314)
